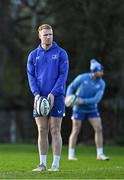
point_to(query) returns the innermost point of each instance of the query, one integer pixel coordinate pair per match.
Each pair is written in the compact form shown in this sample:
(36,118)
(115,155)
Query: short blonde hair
(44,26)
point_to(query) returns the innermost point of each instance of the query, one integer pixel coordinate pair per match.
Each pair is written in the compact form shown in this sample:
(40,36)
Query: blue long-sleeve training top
(47,70)
(91,91)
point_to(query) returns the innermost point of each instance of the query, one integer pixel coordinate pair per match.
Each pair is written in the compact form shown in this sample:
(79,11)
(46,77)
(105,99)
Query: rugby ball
(43,106)
(69,100)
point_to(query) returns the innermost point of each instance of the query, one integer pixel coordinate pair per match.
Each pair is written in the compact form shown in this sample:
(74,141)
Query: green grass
(17,161)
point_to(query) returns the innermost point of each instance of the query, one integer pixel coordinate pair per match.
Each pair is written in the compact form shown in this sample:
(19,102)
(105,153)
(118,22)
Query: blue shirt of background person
(84,94)
(88,88)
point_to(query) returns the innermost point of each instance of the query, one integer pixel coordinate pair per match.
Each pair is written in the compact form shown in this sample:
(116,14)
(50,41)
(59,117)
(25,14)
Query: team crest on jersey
(55,56)
(38,57)
(85,82)
(97,86)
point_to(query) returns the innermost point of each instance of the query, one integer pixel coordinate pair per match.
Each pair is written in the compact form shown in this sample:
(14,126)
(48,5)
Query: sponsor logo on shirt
(85,82)
(55,56)
(97,86)
(60,111)
(38,57)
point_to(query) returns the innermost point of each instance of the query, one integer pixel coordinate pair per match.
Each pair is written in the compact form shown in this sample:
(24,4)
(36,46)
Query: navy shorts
(58,109)
(84,115)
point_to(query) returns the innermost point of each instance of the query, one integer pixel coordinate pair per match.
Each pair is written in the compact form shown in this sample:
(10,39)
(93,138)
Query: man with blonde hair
(47,70)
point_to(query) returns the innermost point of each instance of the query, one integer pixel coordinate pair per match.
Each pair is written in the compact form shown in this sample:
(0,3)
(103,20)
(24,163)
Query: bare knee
(98,129)
(43,131)
(55,131)
(75,131)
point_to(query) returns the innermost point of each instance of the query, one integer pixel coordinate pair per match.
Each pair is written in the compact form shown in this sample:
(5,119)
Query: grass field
(17,162)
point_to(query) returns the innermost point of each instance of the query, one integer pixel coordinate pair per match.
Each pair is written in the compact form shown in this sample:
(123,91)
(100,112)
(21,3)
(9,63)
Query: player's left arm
(96,99)
(59,86)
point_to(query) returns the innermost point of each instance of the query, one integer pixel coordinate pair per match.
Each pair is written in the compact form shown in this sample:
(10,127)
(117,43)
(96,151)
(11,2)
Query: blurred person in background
(83,95)
(47,69)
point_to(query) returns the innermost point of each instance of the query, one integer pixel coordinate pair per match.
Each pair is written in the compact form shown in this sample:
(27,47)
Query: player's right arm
(73,86)
(31,75)
(71,90)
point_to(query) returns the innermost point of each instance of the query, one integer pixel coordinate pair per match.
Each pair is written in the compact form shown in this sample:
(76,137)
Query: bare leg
(55,129)
(76,125)
(42,125)
(97,126)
